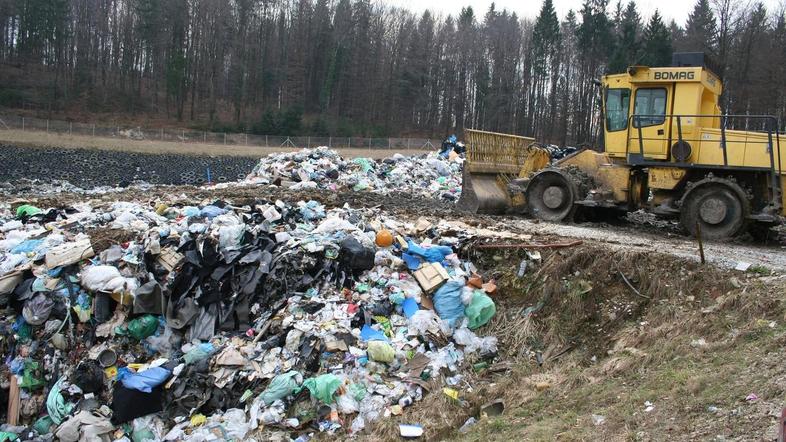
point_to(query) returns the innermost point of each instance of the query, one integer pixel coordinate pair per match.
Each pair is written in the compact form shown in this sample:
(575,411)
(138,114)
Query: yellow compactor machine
(667,148)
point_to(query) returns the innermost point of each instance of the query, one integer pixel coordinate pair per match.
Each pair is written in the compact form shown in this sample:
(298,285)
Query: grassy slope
(608,351)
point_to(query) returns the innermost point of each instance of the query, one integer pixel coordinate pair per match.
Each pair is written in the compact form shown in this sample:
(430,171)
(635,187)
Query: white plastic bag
(107,279)
(347,404)
(472,343)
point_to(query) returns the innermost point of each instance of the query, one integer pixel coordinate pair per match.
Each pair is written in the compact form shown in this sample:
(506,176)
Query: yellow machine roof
(644,74)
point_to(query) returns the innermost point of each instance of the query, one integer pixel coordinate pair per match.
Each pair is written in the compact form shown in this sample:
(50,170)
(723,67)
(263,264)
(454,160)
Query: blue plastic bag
(211,212)
(447,302)
(312,210)
(412,261)
(369,334)
(431,254)
(191,211)
(27,246)
(410,307)
(145,381)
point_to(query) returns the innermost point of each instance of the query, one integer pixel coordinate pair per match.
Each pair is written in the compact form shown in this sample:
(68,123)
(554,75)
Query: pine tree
(656,42)
(545,45)
(594,41)
(700,30)
(677,33)
(545,37)
(626,51)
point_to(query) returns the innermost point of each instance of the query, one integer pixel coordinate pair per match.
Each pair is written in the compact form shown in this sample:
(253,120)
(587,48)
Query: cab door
(616,110)
(650,126)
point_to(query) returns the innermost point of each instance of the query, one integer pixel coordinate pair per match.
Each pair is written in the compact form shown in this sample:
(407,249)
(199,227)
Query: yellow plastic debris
(451,393)
(161,209)
(198,419)
(381,351)
(110,372)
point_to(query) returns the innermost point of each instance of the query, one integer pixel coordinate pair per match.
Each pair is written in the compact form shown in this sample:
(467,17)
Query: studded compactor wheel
(718,207)
(550,196)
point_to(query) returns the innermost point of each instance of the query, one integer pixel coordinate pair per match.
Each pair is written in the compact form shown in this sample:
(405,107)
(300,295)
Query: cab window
(650,108)
(617,106)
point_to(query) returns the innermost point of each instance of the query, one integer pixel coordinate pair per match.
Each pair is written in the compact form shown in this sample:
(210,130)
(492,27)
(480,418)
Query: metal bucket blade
(481,193)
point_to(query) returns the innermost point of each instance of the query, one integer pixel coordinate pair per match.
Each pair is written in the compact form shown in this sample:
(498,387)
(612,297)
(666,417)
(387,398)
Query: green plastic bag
(27,210)
(56,405)
(480,310)
(7,435)
(25,332)
(43,425)
(199,352)
(142,435)
(358,391)
(323,387)
(139,328)
(29,379)
(364,163)
(281,386)
(381,351)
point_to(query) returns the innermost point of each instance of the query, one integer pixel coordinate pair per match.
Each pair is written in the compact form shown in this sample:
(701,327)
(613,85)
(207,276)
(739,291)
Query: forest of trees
(350,67)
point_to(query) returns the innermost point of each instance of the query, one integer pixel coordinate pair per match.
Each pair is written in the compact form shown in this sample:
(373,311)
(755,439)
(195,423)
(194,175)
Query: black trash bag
(353,256)
(129,404)
(89,377)
(190,391)
(37,309)
(149,299)
(103,308)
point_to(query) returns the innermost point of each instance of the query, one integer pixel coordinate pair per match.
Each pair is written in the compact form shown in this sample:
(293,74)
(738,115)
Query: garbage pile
(428,175)
(131,321)
(452,147)
(53,187)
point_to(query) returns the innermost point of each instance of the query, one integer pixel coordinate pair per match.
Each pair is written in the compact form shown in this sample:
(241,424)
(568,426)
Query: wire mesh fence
(186,136)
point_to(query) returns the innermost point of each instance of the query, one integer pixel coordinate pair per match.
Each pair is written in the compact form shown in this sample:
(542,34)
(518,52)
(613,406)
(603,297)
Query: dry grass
(607,351)
(43,139)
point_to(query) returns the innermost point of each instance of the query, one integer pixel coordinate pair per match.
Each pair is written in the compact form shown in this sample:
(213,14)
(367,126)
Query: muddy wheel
(716,208)
(550,196)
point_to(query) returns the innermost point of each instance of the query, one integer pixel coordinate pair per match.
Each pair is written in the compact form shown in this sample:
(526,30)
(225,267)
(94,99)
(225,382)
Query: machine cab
(639,104)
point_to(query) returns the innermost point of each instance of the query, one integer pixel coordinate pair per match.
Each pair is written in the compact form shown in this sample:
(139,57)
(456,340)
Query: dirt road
(723,254)
(44,140)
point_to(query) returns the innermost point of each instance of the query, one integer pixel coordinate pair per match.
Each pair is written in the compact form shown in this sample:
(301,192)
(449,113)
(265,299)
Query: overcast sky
(670,9)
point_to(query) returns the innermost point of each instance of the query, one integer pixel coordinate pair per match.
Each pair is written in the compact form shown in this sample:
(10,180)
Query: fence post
(388,143)
(225,138)
(349,141)
(266,143)
(246,139)
(330,141)
(94,129)
(204,136)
